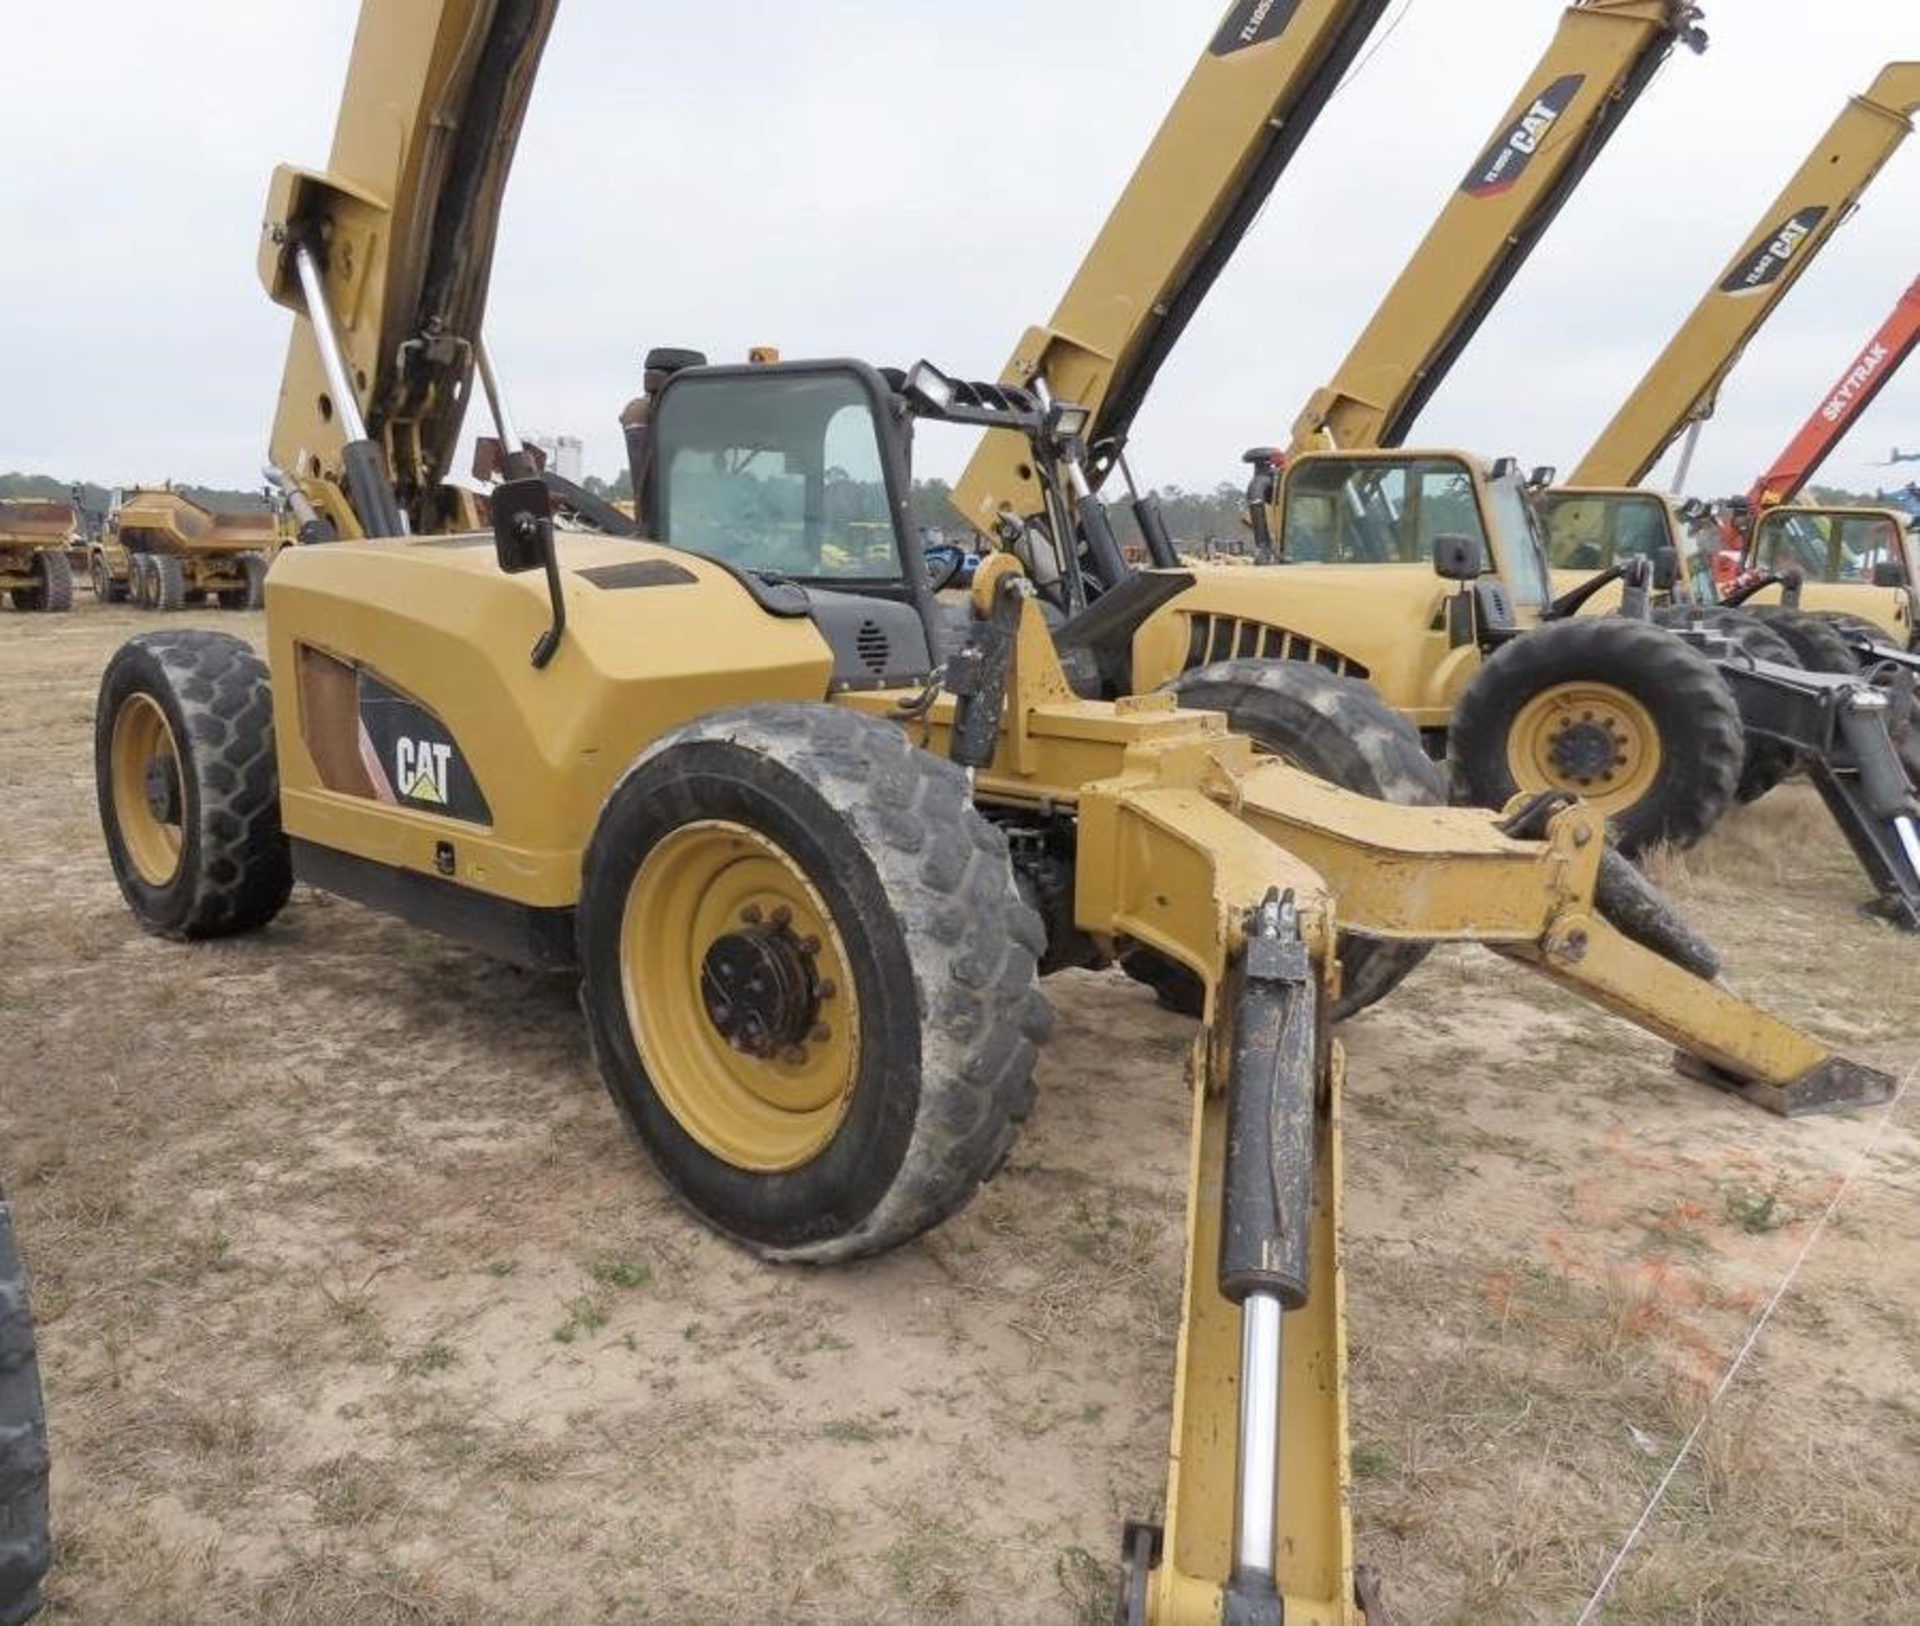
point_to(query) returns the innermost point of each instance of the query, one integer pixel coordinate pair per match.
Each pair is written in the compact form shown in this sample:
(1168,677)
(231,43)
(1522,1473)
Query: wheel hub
(161,781)
(1586,748)
(760,989)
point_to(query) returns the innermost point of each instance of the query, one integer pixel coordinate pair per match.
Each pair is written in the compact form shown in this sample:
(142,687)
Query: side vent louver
(1225,638)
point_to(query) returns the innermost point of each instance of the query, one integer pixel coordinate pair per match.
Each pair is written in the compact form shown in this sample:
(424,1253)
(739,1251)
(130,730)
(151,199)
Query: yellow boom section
(1263,79)
(1683,386)
(403,222)
(1603,55)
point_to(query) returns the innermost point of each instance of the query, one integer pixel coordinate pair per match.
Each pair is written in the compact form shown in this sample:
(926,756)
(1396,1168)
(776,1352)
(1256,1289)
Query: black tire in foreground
(1767,761)
(52,591)
(1664,774)
(24,1547)
(188,786)
(1851,627)
(1816,640)
(1339,729)
(809,980)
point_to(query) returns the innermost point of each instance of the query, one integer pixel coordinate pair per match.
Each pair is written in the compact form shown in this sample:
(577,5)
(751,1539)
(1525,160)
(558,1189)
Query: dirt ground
(358,1305)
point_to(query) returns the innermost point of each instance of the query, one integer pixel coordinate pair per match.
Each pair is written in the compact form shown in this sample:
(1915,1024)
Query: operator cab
(1431,509)
(794,476)
(1861,547)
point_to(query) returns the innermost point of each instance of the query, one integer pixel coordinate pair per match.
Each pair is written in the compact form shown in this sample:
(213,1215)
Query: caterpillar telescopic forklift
(1420,571)
(1413,570)
(163,551)
(1681,389)
(806,836)
(35,573)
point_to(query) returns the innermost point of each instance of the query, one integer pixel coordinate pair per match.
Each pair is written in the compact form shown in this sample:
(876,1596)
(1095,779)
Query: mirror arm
(548,642)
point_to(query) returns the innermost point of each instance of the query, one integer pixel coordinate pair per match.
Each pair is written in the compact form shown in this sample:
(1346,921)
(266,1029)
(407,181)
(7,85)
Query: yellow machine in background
(35,573)
(1414,570)
(807,837)
(163,551)
(1679,392)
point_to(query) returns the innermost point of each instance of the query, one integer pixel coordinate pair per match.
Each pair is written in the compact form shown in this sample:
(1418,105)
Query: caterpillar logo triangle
(420,770)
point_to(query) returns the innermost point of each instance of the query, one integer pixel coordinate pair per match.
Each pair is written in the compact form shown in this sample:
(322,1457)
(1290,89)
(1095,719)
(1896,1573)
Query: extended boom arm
(1866,375)
(1604,54)
(1683,386)
(1266,74)
(400,229)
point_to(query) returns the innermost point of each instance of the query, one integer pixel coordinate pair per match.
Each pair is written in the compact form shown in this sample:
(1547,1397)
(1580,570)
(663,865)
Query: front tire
(1767,762)
(1340,730)
(809,980)
(188,787)
(1618,712)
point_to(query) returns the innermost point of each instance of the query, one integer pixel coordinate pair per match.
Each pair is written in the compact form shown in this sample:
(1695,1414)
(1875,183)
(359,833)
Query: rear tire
(1767,761)
(168,582)
(1814,639)
(24,1546)
(105,588)
(140,580)
(1339,729)
(52,592)
(1687,773)
(188,787)
(896,882)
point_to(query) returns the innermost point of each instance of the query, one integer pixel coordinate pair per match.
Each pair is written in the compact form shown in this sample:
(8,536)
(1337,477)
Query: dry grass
(360,1307)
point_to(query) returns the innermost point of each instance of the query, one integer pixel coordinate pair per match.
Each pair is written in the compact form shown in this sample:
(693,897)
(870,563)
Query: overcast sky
(893,179)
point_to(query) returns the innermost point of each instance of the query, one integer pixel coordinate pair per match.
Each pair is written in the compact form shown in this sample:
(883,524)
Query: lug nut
(751,914)
(781,914)
(821,1033)
(828,988)
(809,944)
(794,1055)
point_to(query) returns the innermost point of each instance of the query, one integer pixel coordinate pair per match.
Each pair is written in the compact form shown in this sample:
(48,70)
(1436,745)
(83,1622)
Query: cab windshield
(781,474)
(1353,511)
(1366,511)
(1592,531)
(1826,547)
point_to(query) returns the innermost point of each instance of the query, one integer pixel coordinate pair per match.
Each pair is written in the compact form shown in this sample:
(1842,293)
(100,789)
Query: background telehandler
(806,838)
(35,573)
(1616,712)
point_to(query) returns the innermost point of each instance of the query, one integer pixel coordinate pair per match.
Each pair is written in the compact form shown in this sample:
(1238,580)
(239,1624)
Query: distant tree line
(97,498)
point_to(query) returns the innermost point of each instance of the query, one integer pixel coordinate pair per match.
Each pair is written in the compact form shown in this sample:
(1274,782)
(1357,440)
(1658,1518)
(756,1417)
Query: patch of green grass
(1754,1212)
(584,1315)
(618,1273)
(500,1267)
(433,1356)
(1088,1585)
(1371,1461)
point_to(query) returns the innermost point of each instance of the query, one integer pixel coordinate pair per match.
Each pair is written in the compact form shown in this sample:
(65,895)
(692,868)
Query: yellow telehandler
(807,836)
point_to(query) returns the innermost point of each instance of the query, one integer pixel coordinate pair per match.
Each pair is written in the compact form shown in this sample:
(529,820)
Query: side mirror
(1889,573)
(1666,569)
(1542,477)
(522,525)
(1459,558)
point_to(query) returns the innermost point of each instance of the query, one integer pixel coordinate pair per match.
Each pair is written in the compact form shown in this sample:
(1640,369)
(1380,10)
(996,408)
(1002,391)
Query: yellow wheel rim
(739,997)
(147,794)
(1588,738)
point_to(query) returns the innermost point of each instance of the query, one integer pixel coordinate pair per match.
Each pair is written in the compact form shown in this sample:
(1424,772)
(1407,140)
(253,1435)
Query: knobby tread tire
(1817,641)
(1340,729)
(1851,626)
(917,868)
(24,1545)
(167,579)
(54,593)
(235,869)
(1703,746)
(1767,762)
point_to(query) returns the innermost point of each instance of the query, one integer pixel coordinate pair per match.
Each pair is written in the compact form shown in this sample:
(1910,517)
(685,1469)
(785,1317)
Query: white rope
(1591,1612)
